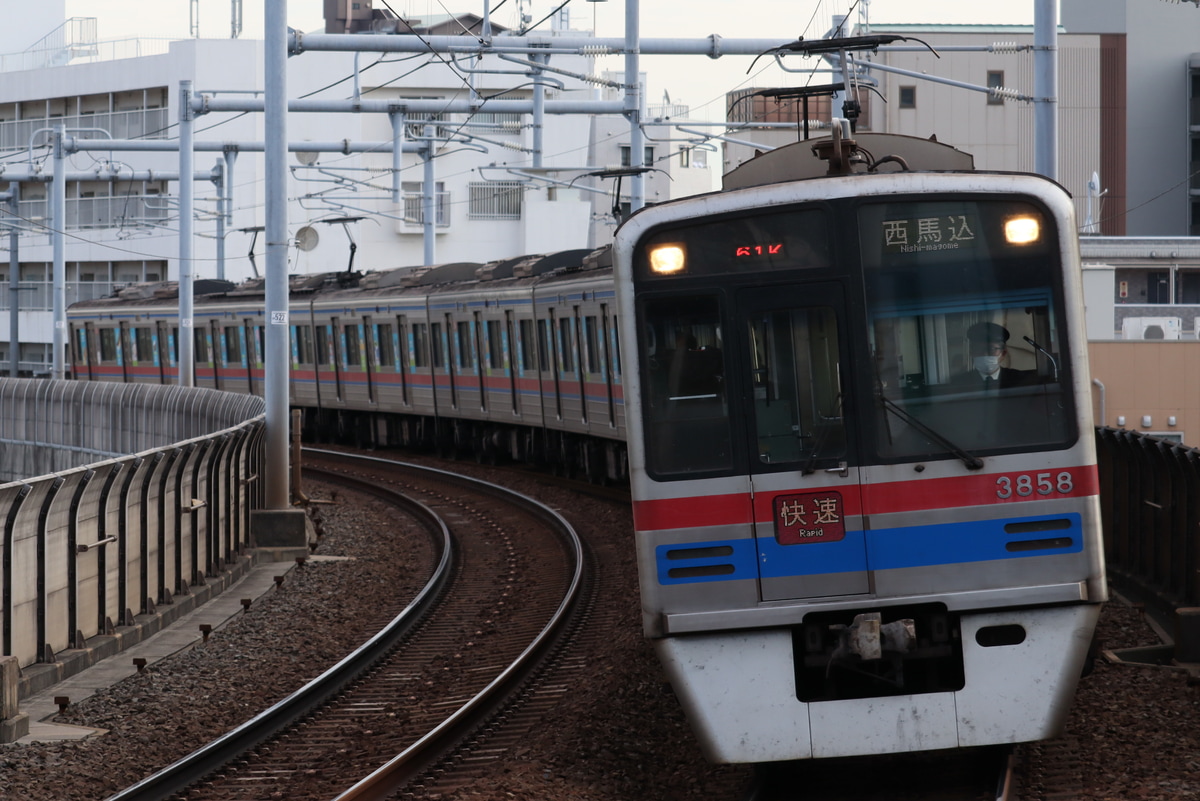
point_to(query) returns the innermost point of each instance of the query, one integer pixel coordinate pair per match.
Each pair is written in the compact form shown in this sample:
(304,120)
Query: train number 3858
(1027,484)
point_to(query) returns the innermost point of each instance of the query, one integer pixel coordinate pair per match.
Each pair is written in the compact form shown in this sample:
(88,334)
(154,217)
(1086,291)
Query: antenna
(307,238)
(236,25)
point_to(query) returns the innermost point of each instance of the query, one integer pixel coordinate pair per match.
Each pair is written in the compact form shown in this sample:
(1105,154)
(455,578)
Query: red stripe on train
(878,499)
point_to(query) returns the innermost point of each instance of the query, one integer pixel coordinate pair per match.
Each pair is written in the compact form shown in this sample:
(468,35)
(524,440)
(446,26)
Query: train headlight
(1023,230)
(667,259)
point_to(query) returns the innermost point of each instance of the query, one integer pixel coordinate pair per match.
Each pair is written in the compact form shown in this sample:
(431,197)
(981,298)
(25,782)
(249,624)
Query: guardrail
(144,492)
(1150,505)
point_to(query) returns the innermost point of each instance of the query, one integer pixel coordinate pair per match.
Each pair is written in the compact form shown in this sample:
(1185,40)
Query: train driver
(988,349)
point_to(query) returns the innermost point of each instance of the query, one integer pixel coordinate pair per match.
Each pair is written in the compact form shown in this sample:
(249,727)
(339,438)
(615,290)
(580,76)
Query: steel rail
(391,777)
(181,774)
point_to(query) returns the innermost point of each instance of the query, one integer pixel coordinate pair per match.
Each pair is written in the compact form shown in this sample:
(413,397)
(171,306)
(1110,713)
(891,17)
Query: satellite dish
(306,157)
(307,238)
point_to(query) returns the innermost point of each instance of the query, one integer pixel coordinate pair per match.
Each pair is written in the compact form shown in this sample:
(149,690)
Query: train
(515,359)
(849,395)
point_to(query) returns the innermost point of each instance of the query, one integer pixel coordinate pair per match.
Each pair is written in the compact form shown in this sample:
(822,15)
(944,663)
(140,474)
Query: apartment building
(495,197)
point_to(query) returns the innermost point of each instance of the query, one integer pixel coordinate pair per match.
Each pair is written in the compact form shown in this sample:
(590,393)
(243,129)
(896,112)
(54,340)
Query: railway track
(508,579)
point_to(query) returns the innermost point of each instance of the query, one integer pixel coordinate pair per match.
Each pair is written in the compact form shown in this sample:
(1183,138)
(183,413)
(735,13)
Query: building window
(414,203)
(647,154)
(995,80)
(908,97)
(1158,287)
(495,200)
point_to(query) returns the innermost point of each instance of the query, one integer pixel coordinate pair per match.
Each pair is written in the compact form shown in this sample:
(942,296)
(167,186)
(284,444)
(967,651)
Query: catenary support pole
(633,103)
(1045,88)
(277,333)
(14,280)
(187,219)
(58,216)
(429,199)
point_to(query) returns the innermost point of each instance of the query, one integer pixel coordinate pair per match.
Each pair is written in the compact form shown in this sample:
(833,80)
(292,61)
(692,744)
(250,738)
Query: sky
(697,81)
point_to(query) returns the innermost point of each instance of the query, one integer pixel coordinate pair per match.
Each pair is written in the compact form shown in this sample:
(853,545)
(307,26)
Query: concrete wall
(1158,380)
(91,548)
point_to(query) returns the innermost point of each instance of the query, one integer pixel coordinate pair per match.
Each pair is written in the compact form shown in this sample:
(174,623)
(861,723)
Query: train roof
(443,277)
(809,158)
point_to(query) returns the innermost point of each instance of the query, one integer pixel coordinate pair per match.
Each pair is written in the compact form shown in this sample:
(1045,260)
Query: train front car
(849,542)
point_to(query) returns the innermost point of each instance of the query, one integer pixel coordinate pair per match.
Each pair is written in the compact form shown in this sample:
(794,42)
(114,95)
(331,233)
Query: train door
(606,361)
(85,354)
(804,484)
(475,332)
(509,357)
(253,353)
(547,344)
(401,350)
(573,344)
(215,351)
(371,355)
(337,348)
(125,351)
(445,340)
(162,349)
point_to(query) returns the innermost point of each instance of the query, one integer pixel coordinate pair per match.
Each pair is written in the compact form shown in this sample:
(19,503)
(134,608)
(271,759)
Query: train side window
(174,345)
(438,343)
(93,344)
(353,346)
(81,351)
(144,336)
(108,345)
(420,345)
(528,346)
(543,345)
(322,344)
(592,340)
(465,344)
(495,345)
(200,348)
(304,344)
(233,344)
(256,335)
(566,344)
(385,349)
(688,428)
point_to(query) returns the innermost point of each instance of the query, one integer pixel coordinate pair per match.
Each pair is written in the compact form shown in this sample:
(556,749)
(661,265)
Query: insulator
(597,50)
(1004,92)
(1006,47)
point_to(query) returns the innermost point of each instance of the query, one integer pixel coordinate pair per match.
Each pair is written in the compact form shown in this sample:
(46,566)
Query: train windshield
(687,409)
(965,328)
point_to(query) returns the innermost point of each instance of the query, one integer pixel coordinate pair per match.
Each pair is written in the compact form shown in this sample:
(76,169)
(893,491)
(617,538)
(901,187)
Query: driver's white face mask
(986,365)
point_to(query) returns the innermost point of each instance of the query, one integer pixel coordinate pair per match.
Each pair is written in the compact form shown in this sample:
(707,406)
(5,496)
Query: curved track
(466,647)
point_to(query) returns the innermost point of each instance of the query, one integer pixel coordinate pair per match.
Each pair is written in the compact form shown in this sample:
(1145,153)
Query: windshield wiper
(972,461)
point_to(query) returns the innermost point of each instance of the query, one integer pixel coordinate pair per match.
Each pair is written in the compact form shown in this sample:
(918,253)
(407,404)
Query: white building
(495,197)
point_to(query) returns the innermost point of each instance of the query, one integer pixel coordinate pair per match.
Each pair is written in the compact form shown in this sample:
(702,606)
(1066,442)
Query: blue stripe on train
(882,549)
